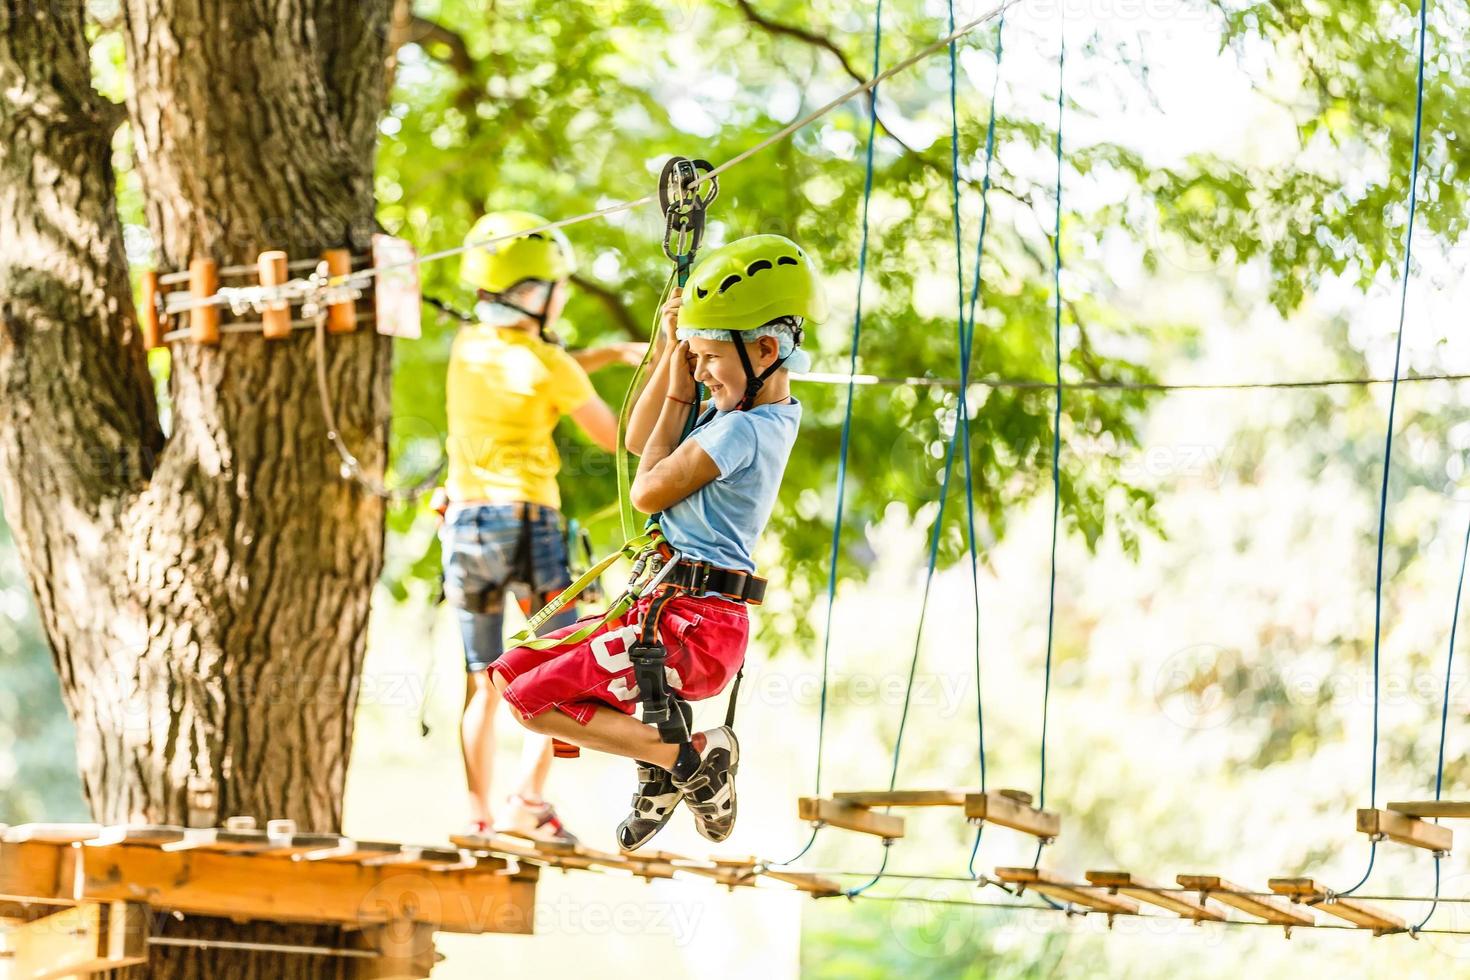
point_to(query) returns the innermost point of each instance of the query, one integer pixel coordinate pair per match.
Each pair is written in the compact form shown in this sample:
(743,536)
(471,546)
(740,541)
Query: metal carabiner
(663,573)
(684,203)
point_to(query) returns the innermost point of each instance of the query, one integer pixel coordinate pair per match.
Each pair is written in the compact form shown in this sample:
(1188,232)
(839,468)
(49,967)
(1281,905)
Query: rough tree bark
(205,591)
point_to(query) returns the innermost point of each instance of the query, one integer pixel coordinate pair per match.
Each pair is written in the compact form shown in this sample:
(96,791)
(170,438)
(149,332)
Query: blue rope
(969,344)
(1056,428)
(1444,711)
(857,329)
(1398,346)
(961,425)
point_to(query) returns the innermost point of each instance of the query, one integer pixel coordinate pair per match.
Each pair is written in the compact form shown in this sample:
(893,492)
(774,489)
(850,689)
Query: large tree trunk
(206,593)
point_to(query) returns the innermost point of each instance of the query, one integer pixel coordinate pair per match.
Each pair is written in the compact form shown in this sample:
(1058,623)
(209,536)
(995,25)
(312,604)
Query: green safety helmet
(750,282)
(543,255)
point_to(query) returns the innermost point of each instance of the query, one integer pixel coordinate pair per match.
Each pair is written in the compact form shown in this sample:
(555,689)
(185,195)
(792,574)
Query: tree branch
(613,303)
(789,30)
(427,34)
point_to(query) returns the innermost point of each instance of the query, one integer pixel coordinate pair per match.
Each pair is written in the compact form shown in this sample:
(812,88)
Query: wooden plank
(52,833)
(1053,885)
(1008,811)
(156,834)
(1432,808)
(1262,907)
(203,284)
(1405,830)
(813,884)
(1146,891)
(1359,913)
(86,938)
(32,871)
(904,797)
(276,888)
(838,814)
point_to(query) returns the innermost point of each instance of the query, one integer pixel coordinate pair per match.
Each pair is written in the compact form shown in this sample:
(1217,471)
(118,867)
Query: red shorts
(705,639)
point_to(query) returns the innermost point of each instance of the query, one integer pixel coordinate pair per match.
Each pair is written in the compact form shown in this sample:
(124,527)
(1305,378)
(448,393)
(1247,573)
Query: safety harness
(663,573)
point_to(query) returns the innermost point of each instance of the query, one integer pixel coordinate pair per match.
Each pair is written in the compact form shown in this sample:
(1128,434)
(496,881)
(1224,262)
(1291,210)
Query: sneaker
(710,792)
(653,805)
(533,821)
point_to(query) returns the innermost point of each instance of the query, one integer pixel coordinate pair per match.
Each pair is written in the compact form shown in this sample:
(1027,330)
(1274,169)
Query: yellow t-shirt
(506,391)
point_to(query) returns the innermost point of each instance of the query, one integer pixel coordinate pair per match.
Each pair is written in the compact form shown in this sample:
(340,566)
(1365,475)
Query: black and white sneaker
(710,792)
(653,805)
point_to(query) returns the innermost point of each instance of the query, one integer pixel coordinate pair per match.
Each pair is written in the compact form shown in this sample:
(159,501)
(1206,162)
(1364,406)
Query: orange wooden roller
(276,317)
(148,312)
(203,320)
(341,317)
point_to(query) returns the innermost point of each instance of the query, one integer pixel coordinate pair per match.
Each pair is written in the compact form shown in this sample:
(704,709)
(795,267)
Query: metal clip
(684,204)
(663,573)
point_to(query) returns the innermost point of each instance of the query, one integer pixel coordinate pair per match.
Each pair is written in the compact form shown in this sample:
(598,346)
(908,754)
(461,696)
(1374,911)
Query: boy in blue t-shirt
(736,329)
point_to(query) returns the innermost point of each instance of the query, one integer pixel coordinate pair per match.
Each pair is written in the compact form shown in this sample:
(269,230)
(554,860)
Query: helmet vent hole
(701,292)
(728,282)
(759,266)
(786,260)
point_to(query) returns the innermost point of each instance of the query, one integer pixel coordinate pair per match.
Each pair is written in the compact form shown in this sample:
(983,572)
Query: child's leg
(607,730)
(477,742)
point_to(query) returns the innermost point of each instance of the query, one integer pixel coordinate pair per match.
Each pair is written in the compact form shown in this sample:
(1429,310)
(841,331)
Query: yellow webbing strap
(631,549)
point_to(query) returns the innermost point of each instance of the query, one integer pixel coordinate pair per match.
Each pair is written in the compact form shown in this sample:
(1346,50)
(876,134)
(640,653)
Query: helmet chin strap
(540,317)
(753,382)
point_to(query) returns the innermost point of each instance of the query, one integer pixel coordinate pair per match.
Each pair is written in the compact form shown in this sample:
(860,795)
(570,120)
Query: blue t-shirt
(720,522)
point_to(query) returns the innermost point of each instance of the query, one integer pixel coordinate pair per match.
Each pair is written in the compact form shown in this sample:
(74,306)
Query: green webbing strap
(631,549)
(625,483)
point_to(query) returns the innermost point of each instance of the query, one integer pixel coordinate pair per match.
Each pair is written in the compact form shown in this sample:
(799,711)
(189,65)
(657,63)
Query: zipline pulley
(684,198)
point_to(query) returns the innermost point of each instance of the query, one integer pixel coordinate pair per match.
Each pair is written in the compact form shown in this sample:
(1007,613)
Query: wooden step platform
(1007,807)
(1123,883)
(1442,809)
(449,888)
(1308,892)
(1275,910)
(904,797)
(1057,887)
(849,816)
(1405,829)
(1013,809)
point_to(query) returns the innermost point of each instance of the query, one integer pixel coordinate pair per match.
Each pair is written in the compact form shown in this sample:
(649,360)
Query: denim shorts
(481,547)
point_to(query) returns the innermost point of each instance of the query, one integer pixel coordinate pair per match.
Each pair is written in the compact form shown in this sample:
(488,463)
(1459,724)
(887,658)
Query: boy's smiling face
(716,365)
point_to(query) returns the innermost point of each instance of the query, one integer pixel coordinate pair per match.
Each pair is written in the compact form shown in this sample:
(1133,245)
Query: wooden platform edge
(1356,911)
(998,808)
(1451,809)
(1268,909)
(1405,829)
(848,817)
(1124,883)
(1056,886)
